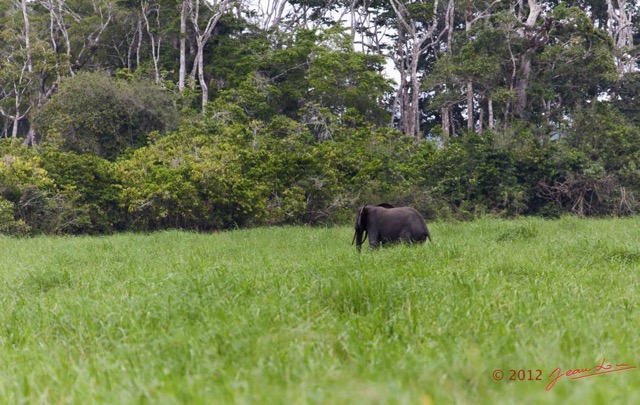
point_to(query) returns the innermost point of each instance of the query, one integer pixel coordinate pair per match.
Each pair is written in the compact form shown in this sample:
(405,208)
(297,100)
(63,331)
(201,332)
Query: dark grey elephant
(385,223)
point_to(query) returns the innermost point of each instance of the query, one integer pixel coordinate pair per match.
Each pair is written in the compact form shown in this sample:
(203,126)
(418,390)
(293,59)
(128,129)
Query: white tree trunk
(202,36)
(620,29)
(446,124)
(414,41)
(27,35)
(201,78)
(155,42)
(524,71)
(490,113)
(183,45)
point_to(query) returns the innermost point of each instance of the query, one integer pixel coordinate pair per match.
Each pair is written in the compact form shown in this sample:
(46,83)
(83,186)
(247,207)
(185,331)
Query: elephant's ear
(386,205)
(361,220)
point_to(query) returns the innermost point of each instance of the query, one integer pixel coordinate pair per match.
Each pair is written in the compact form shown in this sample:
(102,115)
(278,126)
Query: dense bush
(97,114)
(231,169)
(51,191)
(88,183)
(474,177)
(597,165)
(227,175)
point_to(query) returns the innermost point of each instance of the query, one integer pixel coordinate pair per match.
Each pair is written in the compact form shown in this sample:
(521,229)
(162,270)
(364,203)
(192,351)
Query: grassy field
(295,316)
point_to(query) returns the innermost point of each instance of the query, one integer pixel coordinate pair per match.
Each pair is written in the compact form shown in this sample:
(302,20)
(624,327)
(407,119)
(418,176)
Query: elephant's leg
(374,238)
(413,236)
(406,236)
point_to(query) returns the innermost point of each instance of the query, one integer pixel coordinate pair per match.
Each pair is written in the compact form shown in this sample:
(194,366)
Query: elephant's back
(408,219)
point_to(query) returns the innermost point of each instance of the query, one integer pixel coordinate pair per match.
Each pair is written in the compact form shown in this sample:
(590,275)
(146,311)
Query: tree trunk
(446,124)
(155,47)
(182,75)
(413,118)
(139,47)
(27,35)
(522,84)
(468,17)
(29,67)
(202,36)
(30,139)
(14,132)
(527,31)
(201,78)
(413,41)
(490,122)
(470,123)
(620,29)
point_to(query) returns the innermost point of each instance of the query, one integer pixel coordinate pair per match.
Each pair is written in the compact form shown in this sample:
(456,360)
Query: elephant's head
(360,234)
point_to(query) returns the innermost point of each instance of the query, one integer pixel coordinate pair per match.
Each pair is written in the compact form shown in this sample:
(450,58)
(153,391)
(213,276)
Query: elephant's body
(387,224)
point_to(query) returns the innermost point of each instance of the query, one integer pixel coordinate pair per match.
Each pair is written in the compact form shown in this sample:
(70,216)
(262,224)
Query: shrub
(94,113)
(51,191)
(87,183)
(475,177)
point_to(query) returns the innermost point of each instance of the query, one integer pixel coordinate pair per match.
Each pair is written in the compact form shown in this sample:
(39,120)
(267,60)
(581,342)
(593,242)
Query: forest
(143,115)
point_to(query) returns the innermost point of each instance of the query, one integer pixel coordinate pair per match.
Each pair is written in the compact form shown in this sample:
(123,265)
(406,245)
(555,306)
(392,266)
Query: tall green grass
(296,316)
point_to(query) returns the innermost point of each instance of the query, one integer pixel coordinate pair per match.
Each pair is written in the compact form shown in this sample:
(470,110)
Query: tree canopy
(206,115)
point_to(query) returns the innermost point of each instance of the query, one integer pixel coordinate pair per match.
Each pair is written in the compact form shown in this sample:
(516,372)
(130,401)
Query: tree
(182,72)
(45,40)
(76,28)
(16,68)
(475,11)
(574,67)
(418,32)
(314,77)
(269,14)
(534,36)
(93,113)
(620,29)
(155,32)
(203,21)
(625,96)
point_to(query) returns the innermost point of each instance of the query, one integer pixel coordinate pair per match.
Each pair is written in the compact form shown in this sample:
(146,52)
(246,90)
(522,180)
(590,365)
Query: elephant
(385,223)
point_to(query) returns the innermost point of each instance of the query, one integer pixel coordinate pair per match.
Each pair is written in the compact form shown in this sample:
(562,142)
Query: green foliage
(297,126)
(237,56)
(232,171)
(475,177)
(93,113)
(420,12)
(596,164)
(8,223)
(293,315)
(578,62)
(376,165)
(87,182)
(55,192)
(310,69)
(227,177)
(342,79)
(625,97)
(604,135)
(22,181)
